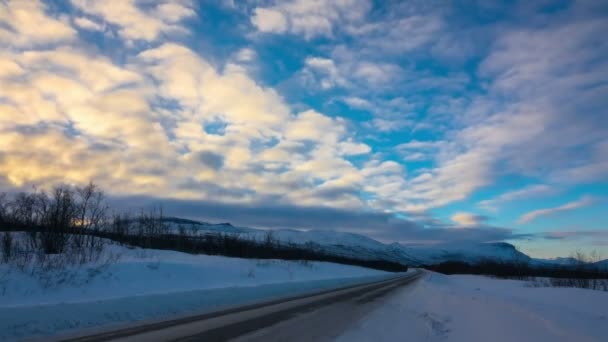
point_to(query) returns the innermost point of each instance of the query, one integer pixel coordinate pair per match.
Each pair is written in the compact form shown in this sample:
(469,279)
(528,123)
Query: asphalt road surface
(318,317)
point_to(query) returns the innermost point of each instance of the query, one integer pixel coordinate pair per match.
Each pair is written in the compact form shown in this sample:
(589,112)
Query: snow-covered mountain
(569,261)
(359,246)
(467,252)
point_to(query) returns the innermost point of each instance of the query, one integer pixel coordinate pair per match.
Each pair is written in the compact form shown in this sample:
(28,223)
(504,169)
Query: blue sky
(411,121)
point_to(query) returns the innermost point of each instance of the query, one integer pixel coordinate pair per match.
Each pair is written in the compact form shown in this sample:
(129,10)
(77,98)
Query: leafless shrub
(7,247)
(151,224)
(59,227)
(121,225)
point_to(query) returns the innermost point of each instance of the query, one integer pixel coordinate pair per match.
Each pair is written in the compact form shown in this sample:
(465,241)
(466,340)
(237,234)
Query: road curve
(317,317)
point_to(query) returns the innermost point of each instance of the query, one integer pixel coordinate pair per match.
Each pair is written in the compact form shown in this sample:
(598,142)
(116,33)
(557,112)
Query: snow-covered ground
(475,308)
(151,284)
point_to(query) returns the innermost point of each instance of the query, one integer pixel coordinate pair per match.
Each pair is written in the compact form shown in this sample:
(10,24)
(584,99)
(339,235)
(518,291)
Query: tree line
(76,222)
(582,274)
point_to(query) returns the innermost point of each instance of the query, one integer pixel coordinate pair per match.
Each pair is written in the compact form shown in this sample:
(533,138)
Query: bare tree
(23,209)
(4,210)
(92,208)
(92,215)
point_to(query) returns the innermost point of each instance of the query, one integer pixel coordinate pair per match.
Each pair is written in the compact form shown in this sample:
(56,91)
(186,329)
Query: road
(318,317)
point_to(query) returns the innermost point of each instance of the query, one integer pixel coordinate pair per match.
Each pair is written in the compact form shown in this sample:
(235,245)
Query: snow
(150,284)
(475,308)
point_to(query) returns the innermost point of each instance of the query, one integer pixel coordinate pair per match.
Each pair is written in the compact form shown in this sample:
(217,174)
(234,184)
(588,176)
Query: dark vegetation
(581,274)
(72,224)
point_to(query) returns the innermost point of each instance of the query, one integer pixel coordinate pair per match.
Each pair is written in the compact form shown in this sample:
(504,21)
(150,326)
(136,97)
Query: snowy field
(474,308)
(143,284)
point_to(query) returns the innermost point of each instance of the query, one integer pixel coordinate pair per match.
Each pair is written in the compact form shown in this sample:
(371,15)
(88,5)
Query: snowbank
(475,308)
(148,284)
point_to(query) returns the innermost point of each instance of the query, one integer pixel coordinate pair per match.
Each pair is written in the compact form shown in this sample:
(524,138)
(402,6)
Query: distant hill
(362,247)
(558,261)
(602,264)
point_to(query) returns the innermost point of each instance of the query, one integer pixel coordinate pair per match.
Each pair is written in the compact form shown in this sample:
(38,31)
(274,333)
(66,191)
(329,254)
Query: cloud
(529,122)
(308,18)
(268,20)
(388,36)
(21,23)
(268,214)
(351,74)
(377,73)
(357,102)
(310,125)
(533,215)
(141,127)
(139,110)
(416,156)
(580,234)
(418,145)
(8,68)
(246,55)
(88,24)
(594,170)
(326,71)
(533,191)
(213,160)
(134,22)
(468,219)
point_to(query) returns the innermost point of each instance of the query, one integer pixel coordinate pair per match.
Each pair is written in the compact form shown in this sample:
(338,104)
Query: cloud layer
(396,111)
(533,215)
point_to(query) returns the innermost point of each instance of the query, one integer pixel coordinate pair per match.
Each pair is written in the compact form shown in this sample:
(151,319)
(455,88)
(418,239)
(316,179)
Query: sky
(421,122)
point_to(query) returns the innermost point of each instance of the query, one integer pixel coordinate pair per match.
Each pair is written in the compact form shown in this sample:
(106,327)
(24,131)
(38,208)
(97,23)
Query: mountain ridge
(350,244)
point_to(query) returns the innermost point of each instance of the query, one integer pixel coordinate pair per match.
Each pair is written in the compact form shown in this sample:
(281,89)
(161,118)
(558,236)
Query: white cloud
(418,145)
(174,12)
(403,34)
(84,116)
(141,122)
(357,102)
(135,22)
(246,55)
(377,73)
(533,215)
(88,24)
(310,125)
(29,25)
(269,20)
(468,219)
(530,122)
(352,74)
(309,18)
(416,156)
(533,191)
(9,68)
(328,74)
(352,148)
